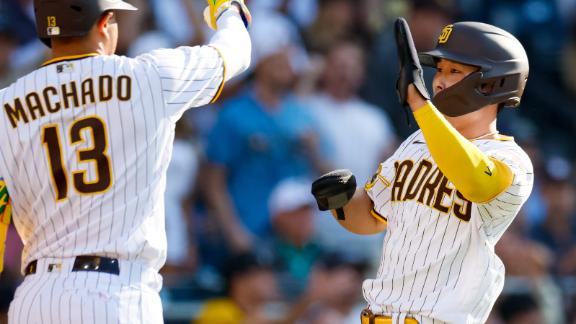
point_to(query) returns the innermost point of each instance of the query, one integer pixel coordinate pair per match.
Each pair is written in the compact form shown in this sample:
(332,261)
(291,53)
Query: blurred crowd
(246,243)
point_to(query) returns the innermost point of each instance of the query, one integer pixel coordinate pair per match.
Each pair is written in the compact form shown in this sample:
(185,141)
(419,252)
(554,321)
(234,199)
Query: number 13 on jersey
(96,155)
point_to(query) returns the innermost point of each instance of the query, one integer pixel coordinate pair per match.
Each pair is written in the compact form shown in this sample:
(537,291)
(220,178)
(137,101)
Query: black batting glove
(410,68)
(334,190)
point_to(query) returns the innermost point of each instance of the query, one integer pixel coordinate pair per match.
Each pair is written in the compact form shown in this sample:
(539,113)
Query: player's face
(448,73)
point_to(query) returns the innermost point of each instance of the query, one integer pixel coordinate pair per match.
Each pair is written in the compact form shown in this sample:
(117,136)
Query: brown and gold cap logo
(445,35)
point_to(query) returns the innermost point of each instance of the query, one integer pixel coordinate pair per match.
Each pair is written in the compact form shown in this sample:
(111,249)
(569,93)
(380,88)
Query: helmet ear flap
(461,98)
(511,85)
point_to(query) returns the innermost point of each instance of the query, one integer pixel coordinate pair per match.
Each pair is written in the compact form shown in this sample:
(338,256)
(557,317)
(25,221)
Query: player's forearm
(477,176)
(233,42)
(358,217)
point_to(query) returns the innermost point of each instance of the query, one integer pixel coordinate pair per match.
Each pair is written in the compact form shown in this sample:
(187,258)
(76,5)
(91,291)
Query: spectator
(180,180)
(180,20)
(520,309)
(250,286)
(301,12)
(528,265)
(334,291)
(358,136)
(138,25)
(8,283)
(8,46)
(291,209)
(19,16)
(336,20)
(260,137)
(558,228)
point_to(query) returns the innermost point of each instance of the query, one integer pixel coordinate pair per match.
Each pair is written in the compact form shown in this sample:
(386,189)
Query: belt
(81,263)
(367,317)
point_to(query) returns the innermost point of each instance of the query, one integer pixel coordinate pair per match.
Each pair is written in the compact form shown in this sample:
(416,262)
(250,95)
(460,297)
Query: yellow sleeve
(478,177)
(5,215)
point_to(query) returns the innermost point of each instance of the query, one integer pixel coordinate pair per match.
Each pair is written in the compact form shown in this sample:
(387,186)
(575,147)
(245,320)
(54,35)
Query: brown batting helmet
(69,18)
(500,57)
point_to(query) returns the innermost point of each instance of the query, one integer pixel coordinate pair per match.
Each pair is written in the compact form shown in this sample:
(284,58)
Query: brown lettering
(16,112)
(48,102)
(443,190)
(402,170)
(73,93)
(420,174)
(462,210)
(105,85)
(34,104)
(429,187)
(88,91)
(124,88)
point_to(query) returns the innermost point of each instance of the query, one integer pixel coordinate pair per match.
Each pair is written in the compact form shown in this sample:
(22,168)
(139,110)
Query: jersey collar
(68,58)
(498,137)
(504,138)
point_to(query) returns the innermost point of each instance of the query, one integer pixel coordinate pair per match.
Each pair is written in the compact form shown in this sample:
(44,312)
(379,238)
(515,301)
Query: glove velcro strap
(213,12)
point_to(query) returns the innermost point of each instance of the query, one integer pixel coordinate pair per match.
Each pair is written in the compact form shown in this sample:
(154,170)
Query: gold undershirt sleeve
(478,177)
(5,216)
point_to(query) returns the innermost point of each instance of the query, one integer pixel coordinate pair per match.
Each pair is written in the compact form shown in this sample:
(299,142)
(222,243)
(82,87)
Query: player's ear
(105,21)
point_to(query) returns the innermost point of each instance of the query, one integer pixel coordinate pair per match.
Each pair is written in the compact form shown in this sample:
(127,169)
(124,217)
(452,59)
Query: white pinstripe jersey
(438,259)
(85,143)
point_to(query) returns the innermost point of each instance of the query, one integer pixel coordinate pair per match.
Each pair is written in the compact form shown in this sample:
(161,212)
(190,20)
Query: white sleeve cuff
(233,42)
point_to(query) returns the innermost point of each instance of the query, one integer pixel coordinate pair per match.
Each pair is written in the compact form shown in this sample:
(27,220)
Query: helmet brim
(430,58)
(116,5)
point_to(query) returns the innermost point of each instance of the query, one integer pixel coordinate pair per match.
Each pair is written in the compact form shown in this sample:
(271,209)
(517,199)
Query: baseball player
(451,189)
(85,143)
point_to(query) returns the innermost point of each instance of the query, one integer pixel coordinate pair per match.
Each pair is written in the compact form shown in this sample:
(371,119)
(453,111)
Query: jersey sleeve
(498,213)
(378,189)
(188,76)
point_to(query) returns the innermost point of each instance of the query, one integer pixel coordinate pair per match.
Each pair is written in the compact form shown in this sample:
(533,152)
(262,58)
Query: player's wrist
(415,100)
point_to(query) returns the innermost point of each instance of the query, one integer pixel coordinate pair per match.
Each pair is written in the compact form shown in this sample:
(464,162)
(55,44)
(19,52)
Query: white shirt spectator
(358,136)
(181,176)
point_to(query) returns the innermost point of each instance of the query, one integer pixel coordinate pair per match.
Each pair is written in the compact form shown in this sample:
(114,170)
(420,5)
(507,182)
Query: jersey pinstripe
(85,146)
(438,262)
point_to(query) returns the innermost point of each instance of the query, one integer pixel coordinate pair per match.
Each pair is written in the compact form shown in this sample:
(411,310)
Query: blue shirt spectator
(258,147)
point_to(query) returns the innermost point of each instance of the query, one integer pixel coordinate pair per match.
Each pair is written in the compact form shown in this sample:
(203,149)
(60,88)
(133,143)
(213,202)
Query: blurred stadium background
(246,245)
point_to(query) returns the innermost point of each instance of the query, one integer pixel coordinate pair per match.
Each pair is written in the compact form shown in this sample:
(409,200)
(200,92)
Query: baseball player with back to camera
(85,143)
(450,190)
